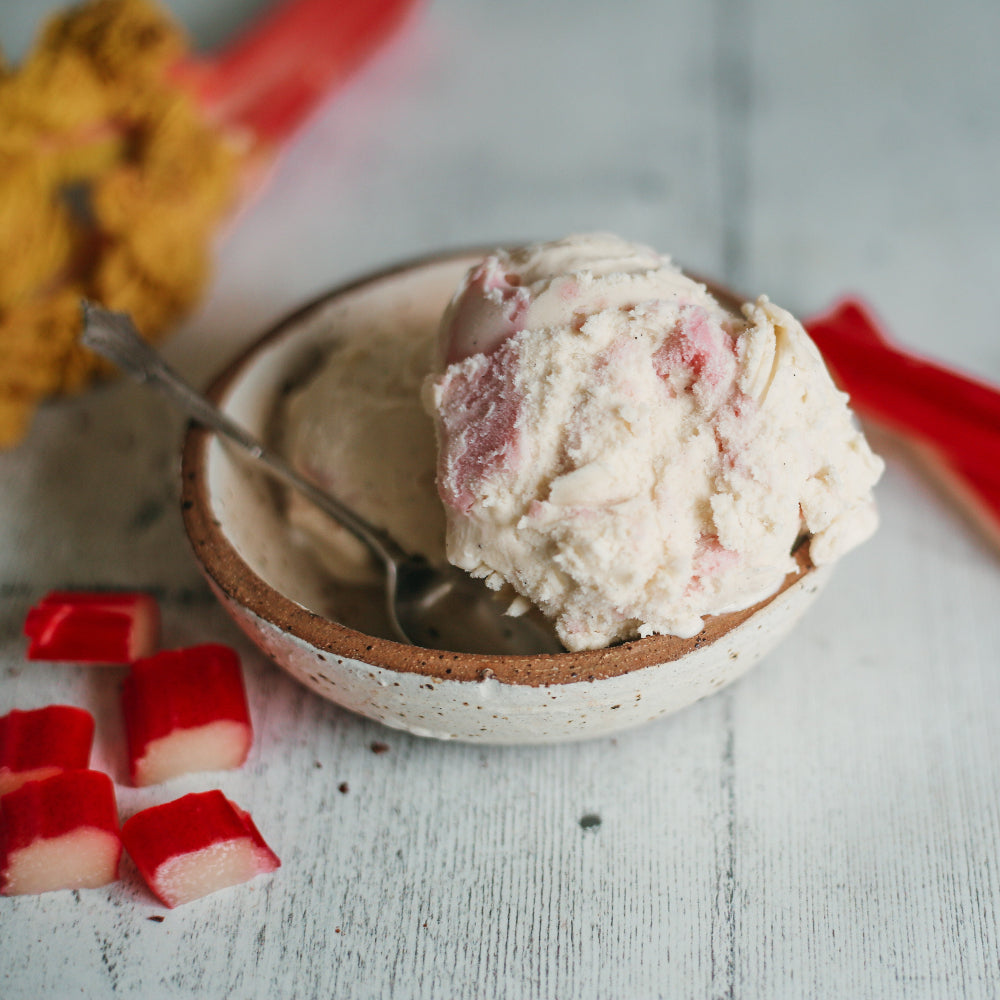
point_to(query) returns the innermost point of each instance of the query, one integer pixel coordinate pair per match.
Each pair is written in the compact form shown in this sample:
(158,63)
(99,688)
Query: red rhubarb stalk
(60,833)
(196,845)
(86,627)
(271,77)
(41,742)
(186,710)
(953,419)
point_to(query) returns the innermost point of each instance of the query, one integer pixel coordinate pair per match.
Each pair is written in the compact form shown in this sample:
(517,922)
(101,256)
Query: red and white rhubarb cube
(59,833)
(41,742)
(186,710)
(196,845)
(85,627)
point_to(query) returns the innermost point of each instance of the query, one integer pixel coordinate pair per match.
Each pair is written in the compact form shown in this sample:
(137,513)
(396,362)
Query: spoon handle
(953,419)
(114,336)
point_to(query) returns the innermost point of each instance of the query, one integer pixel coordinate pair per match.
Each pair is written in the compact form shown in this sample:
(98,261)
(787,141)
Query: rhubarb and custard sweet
(95,627)
(59,833)
(186,711)
(41,742)
(196,845)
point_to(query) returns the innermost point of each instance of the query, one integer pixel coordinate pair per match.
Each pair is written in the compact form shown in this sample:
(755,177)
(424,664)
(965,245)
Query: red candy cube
(196,845)
(59,833)
(42,742)
(186,710)
(83,627)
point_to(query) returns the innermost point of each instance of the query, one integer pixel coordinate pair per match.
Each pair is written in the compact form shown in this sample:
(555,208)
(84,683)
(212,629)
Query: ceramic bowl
(279,595)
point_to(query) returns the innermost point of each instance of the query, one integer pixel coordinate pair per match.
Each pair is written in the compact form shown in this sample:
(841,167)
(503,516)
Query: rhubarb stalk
(268,80)
(953,420)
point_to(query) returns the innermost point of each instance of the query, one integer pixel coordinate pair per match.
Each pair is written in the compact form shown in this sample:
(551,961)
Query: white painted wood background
(827,828)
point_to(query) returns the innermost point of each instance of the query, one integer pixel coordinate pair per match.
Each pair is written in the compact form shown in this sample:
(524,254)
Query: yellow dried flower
(36,230)
(125,40)
(111,185)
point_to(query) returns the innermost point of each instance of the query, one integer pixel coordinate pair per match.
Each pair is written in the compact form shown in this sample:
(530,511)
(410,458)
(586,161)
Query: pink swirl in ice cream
(627,454)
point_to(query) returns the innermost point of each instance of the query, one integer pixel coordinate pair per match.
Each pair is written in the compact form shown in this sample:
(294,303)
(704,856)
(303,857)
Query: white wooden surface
(827,828)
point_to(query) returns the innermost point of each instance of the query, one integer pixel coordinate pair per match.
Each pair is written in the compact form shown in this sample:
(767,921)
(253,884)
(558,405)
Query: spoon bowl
(445,608)
(334,639)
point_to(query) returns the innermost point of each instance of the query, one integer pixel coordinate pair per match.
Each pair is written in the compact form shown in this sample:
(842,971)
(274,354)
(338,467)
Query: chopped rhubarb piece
(60,833)
(86,627)
(195,845)
(41,742)
(186,710)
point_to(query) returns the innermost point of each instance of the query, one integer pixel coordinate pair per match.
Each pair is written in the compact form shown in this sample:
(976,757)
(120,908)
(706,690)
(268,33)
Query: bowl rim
(234,579)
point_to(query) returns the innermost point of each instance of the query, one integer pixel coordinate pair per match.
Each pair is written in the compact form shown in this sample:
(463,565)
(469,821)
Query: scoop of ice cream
(627,454)
(358,429)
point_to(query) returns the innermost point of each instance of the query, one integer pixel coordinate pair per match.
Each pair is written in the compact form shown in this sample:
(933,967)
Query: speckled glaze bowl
(280,597)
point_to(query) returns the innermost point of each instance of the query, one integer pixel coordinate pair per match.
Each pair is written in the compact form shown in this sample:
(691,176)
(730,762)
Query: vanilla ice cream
(357,428)
(627,454)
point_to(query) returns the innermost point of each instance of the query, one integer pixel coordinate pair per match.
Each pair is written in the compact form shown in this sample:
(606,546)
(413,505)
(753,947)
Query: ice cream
(357,427)
(626,454)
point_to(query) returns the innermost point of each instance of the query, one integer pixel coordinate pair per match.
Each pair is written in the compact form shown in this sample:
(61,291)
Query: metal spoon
(431,606)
